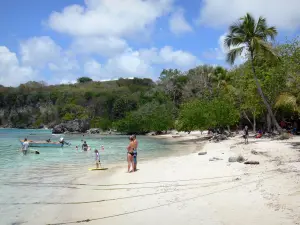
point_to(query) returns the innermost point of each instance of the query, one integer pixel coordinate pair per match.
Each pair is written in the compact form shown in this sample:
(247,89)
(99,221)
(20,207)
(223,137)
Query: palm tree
(252,36)
(220,76)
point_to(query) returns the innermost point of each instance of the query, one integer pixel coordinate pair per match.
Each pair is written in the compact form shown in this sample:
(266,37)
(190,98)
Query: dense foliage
(200,98)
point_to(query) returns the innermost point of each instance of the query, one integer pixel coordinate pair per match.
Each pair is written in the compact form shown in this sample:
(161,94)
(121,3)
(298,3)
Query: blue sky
(59,41)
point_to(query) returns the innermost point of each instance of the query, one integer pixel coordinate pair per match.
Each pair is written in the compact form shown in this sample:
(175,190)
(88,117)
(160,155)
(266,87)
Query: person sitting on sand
(84,146)
(25,146)
(260,133)
(97,158)
(130,153)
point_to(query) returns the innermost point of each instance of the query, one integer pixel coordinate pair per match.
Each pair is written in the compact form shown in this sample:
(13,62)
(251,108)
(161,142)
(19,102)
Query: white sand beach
(190,189)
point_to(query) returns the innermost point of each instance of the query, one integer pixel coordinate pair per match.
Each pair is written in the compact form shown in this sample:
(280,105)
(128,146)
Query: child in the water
(97,158)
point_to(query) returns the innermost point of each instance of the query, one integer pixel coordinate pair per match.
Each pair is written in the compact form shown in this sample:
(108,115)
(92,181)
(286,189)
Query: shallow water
(38,178)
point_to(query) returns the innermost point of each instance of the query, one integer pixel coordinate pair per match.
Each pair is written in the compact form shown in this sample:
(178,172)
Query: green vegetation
(84,80)
(261,91)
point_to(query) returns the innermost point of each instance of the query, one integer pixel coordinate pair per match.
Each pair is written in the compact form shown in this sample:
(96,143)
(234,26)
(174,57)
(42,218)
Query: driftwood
(202,153)
(252,162)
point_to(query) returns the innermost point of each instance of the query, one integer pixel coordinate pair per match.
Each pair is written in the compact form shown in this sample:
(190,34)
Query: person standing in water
(84,146)
(25,146)
(135,144)
(130,154)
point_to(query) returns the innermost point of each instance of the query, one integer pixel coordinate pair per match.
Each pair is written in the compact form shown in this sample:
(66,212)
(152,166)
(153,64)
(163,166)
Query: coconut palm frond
(287,100)
(233,54)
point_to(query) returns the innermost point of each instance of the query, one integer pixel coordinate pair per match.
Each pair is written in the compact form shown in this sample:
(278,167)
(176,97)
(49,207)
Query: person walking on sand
(97,158)
(25,146)
(130,154)
(135,144)
(246,134)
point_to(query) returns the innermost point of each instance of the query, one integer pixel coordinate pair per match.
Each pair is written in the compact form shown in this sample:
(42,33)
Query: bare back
(131,146)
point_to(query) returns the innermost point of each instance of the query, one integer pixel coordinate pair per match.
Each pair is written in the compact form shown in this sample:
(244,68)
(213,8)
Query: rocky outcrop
(80,126)
(94,131)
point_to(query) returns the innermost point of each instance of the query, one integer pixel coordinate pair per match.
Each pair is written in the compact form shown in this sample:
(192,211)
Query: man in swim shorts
(84,146)
(25,146)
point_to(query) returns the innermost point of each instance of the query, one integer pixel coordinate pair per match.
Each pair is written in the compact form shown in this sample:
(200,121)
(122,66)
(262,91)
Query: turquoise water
(38,178)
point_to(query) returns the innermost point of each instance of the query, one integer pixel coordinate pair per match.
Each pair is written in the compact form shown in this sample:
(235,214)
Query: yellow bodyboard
(98,169)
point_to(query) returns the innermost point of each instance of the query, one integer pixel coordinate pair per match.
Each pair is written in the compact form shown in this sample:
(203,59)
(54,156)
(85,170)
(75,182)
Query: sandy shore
(190,189)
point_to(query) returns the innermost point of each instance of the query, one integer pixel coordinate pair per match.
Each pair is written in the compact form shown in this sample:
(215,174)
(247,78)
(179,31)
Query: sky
(58,41)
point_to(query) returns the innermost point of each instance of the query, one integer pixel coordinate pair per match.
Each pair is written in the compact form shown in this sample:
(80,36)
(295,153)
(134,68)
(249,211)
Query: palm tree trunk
(269,109)
(254,123)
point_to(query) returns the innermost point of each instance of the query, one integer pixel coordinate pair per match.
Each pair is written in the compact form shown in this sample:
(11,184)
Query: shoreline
(191,188)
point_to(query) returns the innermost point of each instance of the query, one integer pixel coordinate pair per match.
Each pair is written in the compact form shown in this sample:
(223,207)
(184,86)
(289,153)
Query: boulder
(240,159)
(93,131)
(236,159)
(58,129)
(80,126)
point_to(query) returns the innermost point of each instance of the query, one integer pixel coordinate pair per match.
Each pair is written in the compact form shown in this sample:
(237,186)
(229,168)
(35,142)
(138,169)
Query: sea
(31,178)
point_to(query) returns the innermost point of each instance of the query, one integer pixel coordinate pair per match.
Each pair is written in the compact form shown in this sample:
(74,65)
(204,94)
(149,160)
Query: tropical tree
(220,76)
(252,36)
(84,80)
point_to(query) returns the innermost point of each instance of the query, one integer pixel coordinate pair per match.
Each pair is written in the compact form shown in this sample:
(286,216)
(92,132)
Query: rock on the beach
(254,152)
(252,162)
(236,159)
(202,153)
(232,159)
(215,159)
(80,126)
(240,159)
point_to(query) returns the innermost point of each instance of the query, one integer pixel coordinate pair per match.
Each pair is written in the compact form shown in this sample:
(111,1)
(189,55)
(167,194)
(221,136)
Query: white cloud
(167,55)
(11,72)
(38,51)
(129,64)
(178,23)
(140,63)
(108,46)
(178,57)
(282,13)
(92,67)
(43,52)
(109,17)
